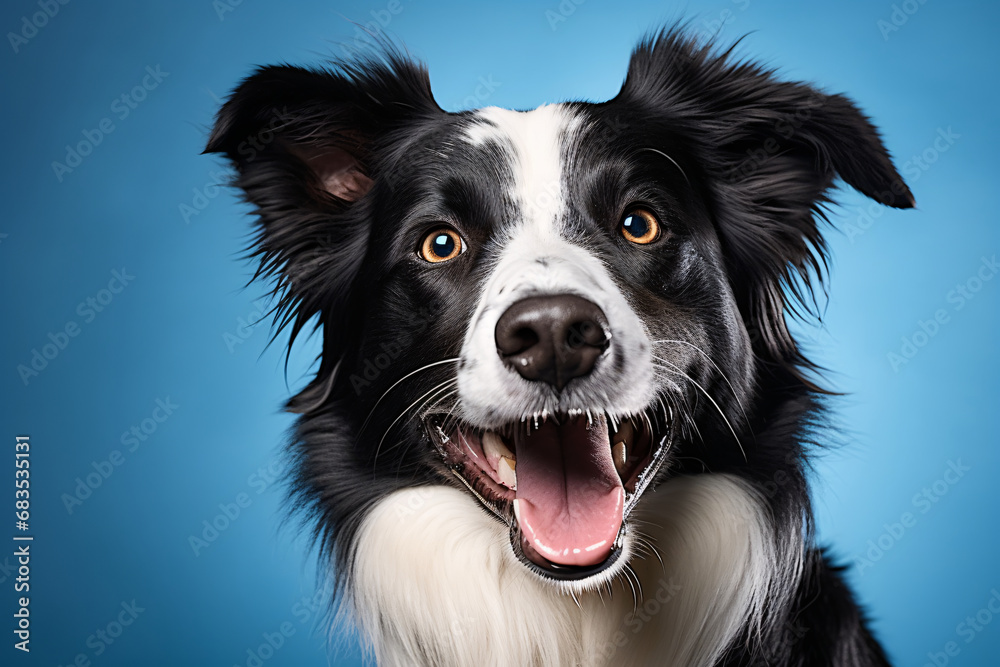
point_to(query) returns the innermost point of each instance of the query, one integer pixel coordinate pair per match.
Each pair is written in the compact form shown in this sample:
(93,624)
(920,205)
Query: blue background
(164,336)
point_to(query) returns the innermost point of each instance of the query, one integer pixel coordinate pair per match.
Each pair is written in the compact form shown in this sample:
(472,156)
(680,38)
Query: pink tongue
(569,495)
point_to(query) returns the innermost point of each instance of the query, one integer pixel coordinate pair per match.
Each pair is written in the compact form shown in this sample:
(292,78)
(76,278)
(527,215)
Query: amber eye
(441,245)
(640,226)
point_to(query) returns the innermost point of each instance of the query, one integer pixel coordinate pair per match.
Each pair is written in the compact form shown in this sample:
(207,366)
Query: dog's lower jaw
(434,582)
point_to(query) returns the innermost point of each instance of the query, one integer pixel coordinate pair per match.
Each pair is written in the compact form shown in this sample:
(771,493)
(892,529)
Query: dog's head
(541,306)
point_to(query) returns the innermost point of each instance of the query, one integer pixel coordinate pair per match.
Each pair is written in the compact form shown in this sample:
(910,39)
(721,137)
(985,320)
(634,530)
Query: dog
(558,417)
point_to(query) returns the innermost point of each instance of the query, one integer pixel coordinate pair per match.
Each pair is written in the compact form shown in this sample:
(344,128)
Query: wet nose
(552,339)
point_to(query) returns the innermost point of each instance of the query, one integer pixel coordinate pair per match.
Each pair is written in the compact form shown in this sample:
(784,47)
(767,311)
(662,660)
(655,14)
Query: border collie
(558,417)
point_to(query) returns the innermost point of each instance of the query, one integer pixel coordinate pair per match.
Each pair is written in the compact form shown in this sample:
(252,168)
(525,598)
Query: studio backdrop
(137,369)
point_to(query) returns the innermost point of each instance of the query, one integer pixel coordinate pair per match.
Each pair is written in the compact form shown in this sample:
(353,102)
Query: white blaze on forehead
(535,139)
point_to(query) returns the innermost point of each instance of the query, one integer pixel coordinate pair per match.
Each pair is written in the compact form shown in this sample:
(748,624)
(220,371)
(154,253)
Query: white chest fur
(436,584)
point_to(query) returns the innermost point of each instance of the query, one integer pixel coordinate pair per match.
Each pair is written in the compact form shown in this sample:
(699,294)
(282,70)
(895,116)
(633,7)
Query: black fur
(751,161)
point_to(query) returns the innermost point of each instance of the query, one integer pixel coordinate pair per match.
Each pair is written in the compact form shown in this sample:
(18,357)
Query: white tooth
(625,432)
(619,456)
(517,510)
(505,471)
(493,446)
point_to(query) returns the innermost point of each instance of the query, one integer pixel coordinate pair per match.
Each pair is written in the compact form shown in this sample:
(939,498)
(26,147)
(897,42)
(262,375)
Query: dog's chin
(564,484)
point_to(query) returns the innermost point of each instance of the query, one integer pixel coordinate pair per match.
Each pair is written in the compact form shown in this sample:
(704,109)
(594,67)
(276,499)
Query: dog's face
(551,308)
(569,259)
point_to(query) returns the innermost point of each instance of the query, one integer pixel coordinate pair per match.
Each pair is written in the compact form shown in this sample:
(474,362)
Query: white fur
(435,583)
(536,258)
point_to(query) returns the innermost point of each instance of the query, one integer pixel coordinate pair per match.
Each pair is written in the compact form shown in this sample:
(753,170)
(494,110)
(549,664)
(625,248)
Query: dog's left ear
(769,151)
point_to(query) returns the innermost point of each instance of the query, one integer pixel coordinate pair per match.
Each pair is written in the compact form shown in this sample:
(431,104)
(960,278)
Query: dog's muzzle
(563,480)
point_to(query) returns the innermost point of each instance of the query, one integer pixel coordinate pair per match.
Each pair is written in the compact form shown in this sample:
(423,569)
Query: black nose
(552,339)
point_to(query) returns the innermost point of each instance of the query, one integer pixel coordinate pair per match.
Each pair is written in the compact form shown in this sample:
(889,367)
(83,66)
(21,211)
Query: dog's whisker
(572,594)
(449,419)
(628,573)
(659,152)
(405,450)
(709,359)
(397,383)
(651,548)
(429,405)
(685,415)
(436,388)
(712,400)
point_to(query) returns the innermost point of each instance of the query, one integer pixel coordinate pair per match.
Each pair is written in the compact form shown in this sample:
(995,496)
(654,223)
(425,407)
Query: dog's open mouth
(564,484)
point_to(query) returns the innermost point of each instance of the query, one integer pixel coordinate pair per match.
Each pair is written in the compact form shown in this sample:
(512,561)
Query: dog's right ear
(320,125)
(308,145)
